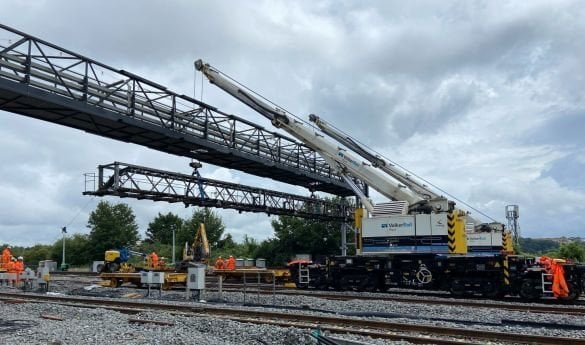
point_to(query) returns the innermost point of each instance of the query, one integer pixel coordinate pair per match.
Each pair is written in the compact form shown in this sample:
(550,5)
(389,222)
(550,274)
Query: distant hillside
(538,246)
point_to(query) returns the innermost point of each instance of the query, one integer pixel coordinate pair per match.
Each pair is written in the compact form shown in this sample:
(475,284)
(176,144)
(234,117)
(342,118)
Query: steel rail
(450,301)
(343,324)
(577,309)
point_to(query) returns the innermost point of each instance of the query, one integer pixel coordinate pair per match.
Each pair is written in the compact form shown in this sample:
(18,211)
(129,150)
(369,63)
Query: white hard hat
(20,258)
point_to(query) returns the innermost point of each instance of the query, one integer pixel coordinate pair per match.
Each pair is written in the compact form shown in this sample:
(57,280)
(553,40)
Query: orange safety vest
(6,255)
(219,264)
(231,264)
(9,266)
(154,259)
(19,266)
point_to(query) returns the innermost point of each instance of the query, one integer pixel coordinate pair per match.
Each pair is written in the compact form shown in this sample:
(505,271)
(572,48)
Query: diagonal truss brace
(132,181)
(57,85)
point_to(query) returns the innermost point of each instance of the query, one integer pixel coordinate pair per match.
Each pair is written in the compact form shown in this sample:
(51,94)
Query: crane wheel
(457,288)
(527,290)
(490,290)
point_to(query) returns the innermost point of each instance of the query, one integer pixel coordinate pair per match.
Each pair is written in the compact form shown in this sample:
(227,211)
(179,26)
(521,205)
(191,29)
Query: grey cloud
(567,171)
(484,98)
(561,127)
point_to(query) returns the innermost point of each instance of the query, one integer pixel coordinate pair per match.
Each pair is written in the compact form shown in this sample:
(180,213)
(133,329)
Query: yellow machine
(116,260)
(198,251)
(117,270)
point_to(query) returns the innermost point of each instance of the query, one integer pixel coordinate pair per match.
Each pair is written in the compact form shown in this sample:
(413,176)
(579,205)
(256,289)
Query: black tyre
(528,291)
(367,284)
(457,288)
(113,267)
(344,284)
(490,290)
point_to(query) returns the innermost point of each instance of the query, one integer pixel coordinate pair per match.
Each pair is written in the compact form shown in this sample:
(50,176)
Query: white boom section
(377,161)
(344,161)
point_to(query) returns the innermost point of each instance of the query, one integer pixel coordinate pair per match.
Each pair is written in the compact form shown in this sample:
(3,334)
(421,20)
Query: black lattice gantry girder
(132,181)
(43,81)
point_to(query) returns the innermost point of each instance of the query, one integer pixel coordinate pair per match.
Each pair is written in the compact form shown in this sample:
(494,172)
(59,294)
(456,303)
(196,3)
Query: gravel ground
(218,331)
(22,324)
(100,326)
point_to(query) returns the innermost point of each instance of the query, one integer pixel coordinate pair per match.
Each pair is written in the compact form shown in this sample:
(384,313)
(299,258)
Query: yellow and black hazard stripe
(507,245)
(506,271)
(358,217)
(457,241)
(452,243)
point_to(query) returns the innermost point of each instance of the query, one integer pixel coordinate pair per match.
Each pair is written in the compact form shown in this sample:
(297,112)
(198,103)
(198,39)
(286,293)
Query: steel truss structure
(132,181)
(43,81)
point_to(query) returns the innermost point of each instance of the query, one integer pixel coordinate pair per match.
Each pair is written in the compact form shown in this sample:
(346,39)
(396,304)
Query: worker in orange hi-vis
(9,266)
(6,255)
(19,264)
(154,259)
(231,263)
(12,268)
(219,264)
(18,267)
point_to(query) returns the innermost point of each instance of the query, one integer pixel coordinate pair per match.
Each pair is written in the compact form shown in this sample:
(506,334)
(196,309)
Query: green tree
(573,250)
(112,226)
(246,249)
(272,250)
(226,242)
(36,253)
(213,225)
(76,250)
(300,236)
(162,226)
(163,250)
(537,246)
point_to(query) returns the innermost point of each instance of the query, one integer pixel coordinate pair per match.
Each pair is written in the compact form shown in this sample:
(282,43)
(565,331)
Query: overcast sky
(483,98)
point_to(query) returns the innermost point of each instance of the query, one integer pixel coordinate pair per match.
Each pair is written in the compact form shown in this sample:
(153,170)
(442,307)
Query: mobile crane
(412,222)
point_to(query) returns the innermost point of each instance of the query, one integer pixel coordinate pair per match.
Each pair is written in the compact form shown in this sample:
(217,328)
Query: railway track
(75,273)
(414,333)
(576,308)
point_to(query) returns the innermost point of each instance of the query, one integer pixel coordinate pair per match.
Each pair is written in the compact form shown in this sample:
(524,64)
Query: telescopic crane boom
(376,160)
(428,223)
(341,160)
(379,162)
